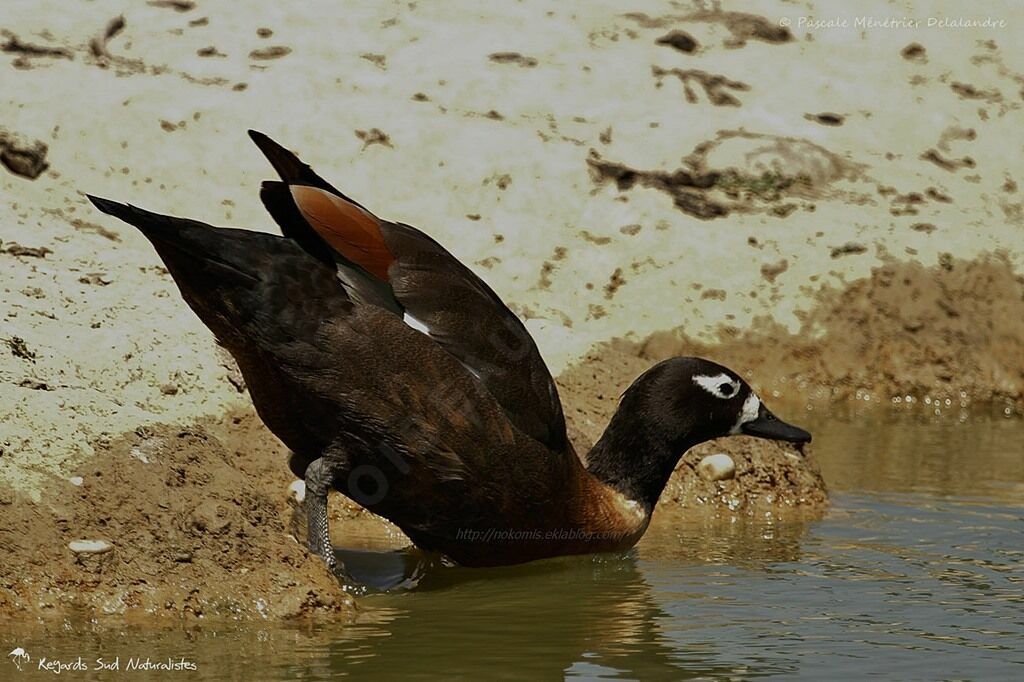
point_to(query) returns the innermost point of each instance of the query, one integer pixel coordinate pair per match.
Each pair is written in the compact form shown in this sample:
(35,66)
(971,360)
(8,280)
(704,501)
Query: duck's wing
(399,268)
(276,309)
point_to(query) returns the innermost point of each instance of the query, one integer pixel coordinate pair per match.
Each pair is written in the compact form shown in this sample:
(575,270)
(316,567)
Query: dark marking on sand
(680,40)
(968,91)
(20,349)
(826,118)
(98,45)
(176,5)
(595,239)
(772,270)
(374,136)
(35,384)
(378,60)
(615,282)
(86,226)
(914,52)
(945,164)
(544,280)
(646,21)
(16,46)
(513,58)
(98,279)
(714,85)
(744,27)
(848,249)
(684,187)
(275,52)
(16,249)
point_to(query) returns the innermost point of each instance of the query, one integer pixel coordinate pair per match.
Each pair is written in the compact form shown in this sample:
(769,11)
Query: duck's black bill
(767,425)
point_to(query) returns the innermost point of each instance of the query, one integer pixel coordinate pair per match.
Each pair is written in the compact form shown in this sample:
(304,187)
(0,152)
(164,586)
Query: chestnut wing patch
(349,229)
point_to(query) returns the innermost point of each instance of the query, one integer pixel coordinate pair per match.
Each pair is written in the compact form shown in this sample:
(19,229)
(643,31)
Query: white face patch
(414,323)
(719,385)
(751,406)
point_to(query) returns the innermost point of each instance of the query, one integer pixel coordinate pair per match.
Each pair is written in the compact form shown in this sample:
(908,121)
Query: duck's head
(670,408)
(711,401)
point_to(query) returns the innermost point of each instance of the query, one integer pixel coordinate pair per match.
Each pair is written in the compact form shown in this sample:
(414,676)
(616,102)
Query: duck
(396,376)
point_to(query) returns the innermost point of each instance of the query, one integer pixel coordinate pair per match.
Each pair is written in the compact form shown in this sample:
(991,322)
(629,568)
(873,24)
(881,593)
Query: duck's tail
(191,250)
(246,286)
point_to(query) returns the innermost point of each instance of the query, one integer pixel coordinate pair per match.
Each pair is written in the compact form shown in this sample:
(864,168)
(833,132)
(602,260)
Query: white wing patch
(751,407)
(415,324)
(714,385)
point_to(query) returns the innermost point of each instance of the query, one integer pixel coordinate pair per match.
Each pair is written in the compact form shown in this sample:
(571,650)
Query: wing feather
(403,270)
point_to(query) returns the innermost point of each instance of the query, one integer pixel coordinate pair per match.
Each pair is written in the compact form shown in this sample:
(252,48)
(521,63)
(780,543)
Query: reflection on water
(983,456)
(916,573)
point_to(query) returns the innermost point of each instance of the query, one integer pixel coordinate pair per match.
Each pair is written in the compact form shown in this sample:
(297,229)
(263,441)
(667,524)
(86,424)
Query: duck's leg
(320,475)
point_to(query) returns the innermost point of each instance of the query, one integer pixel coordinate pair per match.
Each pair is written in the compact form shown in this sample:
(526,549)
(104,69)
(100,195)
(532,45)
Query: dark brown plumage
(399,378)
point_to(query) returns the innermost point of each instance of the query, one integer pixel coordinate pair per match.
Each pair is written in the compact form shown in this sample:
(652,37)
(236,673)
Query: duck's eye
(722,386)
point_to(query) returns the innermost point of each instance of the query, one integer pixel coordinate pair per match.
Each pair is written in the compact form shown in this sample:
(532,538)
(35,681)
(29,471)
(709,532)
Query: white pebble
(717,467)
(76,480)
(297,490)
(90,546)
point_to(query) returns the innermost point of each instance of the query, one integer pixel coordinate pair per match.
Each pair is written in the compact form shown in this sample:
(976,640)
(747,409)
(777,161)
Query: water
(917,572)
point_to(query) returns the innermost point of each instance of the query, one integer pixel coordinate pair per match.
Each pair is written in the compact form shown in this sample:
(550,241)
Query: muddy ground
(200,523)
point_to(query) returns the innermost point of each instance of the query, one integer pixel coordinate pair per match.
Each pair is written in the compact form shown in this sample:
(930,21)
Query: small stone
(717,467)
(76,481)
(297,490)
(90,546)
(23,156)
